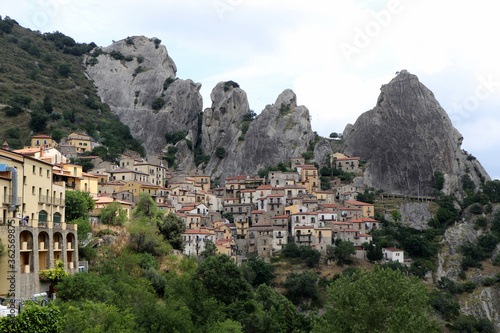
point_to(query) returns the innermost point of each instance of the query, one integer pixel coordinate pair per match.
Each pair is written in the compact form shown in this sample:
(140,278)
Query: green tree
(78,205)
(64,70)
(38,121)
(210,249)
(334,135)
(172,227)
(220,152)
(224,280)
(382,300)
(146,238)
(290,250)
(343,251)
(438,180)
(47,104)
(301,286)
(310,256)
(396,215)
(257,271)
(97,317)
(374,252)
(146,207)
(34,318)
(278,314)
(113,214)
(468,183)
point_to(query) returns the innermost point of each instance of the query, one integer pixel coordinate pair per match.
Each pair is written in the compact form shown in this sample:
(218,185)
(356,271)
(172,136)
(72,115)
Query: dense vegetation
(44,90)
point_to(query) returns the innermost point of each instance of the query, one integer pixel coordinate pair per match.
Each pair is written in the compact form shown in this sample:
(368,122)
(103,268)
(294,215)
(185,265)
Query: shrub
(117,55)
(220,152)
(476,209)
(64,70)
(230,84)
(168,82)
(157,103)
(140,59)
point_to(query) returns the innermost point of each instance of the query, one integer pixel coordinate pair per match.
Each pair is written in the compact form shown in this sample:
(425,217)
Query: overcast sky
(335,55)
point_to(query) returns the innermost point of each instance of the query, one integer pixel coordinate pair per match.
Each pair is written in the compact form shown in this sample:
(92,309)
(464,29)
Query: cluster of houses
(246,215)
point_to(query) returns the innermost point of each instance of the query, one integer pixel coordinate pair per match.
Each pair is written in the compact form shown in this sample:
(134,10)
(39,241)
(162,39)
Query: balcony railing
(9,199)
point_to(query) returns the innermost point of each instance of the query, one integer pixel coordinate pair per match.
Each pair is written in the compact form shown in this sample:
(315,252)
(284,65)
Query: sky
(334,55)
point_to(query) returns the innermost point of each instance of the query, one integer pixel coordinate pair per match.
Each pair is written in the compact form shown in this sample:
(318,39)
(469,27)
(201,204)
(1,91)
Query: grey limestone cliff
(281,131)
(405,138)
(130,85)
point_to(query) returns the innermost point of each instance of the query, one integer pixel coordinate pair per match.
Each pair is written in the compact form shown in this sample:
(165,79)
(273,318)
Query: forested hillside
(44,90)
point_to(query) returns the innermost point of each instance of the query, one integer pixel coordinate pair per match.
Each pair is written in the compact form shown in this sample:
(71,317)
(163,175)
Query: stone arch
(26,252)
(43,250)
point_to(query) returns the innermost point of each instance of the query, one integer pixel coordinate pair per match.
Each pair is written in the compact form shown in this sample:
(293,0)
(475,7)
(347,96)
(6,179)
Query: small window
(34,170)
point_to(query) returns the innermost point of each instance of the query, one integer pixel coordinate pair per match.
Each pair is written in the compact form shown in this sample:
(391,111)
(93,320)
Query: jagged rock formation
(222,122)
(405,138)
(131,84)
(280,132)
(450,256)
(483,303)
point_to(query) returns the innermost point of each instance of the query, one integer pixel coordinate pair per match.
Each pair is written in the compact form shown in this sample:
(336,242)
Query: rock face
(405,138)
(415,215)
(281,131)
(450,256)
(483,303)
(131,84)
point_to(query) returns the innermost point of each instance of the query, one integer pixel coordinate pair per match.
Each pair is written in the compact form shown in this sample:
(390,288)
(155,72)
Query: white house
(393,254)
(195,240)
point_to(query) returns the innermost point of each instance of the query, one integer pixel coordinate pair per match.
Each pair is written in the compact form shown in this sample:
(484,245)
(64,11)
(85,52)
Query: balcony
(280,236)
(45,199)
(9,199)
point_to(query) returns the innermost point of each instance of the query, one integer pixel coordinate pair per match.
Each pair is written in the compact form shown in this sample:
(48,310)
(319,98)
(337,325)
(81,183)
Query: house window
(57,218)
(42,216)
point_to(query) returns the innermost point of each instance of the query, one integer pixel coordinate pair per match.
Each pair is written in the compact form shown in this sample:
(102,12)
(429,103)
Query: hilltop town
(244,215)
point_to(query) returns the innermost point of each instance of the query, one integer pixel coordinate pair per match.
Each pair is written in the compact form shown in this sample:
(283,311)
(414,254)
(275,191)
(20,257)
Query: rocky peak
(282,130)
(221,122)
(130,74)
(406,137)
(287,98)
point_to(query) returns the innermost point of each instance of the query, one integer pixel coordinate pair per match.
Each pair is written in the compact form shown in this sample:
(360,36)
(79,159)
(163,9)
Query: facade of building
(32,225)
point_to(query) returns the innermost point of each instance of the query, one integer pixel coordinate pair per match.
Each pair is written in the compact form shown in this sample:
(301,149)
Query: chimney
(41,152)
(5,146)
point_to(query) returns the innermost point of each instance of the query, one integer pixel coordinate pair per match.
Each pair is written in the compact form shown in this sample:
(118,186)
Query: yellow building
(80,180)
(203,181)
(136,188)
(309,177)
(81,142)
(103,202)
(367,209)
(32,224)
(43,141)
(157,173)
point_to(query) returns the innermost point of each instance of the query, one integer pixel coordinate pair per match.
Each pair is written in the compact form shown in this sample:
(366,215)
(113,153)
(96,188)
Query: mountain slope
(41,78)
